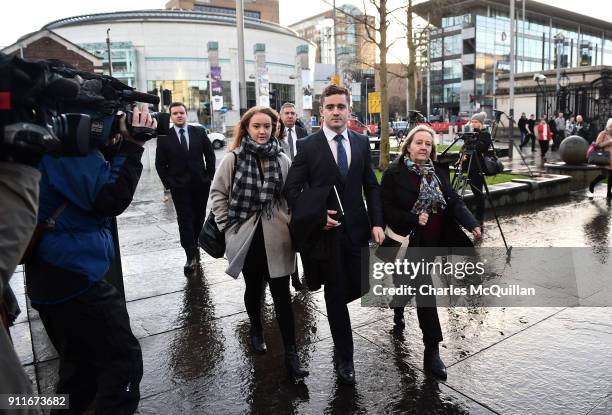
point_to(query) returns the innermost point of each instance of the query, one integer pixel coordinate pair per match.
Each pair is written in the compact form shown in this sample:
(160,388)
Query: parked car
(217,140)
(400,129)
(357,126)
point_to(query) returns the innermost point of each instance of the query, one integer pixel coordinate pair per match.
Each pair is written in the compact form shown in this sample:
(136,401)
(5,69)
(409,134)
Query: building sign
(374,102)
(217,87)
(217,102)
(307,102)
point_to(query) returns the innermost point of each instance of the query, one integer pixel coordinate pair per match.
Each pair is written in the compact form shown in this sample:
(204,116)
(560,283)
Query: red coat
(540,130)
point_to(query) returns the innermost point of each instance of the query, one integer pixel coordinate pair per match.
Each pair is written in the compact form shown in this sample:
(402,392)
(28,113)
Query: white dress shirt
(185,133)
(333,144)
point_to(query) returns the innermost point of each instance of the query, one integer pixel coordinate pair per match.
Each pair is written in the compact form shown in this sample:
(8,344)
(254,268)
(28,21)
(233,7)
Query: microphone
(62,88)
(140,97)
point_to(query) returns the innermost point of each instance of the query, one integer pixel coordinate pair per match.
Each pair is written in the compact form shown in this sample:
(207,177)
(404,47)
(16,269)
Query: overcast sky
(25,16)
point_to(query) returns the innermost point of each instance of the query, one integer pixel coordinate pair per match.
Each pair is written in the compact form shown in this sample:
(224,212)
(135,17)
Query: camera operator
(482,143)
(19,195)
(84,316)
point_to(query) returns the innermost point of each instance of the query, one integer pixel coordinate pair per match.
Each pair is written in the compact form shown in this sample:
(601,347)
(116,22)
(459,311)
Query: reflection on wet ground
(194,334)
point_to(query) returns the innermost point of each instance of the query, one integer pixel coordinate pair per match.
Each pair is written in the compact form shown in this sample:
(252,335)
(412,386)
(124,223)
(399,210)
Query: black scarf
(249,195)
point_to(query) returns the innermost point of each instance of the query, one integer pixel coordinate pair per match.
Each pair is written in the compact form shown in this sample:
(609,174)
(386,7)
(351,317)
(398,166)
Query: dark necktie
(290,141)
(342,159)
(183,139)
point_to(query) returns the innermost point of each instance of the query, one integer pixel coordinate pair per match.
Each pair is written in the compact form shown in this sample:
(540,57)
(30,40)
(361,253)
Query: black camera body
(48,106)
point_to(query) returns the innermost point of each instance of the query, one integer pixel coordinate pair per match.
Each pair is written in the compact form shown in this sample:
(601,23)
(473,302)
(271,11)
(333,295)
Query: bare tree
(376,33)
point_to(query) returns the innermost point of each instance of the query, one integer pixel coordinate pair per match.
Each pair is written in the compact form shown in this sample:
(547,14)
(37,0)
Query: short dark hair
(332,89)
(177,104)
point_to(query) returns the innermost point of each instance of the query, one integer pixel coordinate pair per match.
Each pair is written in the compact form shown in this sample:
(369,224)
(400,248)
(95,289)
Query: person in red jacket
(544,136)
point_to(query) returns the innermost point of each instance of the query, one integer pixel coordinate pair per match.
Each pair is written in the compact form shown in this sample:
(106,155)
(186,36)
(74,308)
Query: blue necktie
(342,159)
(183,139)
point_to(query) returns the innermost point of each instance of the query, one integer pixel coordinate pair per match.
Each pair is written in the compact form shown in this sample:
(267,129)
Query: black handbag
(599,158)
(211,239)
(491,165)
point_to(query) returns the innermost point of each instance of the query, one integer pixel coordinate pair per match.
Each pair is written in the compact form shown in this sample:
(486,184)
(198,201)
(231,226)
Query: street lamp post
(366,100)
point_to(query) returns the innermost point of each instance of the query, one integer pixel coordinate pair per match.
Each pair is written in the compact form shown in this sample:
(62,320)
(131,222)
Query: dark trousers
(427,312)
(256,274)
(543,147)
(339,289)
(529,137)
(476,185)
(98,354)
(190,205)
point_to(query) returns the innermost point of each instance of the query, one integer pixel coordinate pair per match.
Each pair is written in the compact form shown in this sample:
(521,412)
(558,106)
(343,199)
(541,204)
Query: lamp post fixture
(559,40)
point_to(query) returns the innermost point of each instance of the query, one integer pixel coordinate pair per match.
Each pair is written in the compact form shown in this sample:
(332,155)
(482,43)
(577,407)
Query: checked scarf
(249,196)
(430,198)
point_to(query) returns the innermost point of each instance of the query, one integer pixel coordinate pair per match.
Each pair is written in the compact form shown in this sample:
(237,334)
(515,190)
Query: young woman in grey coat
(246,197)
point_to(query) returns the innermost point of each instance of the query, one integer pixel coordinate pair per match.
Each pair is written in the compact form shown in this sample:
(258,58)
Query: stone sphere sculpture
(573,150)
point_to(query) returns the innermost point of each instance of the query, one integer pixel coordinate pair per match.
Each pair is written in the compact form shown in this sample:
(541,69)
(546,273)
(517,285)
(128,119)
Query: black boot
(594,183)
(295,281)
(190,267)
(398,318)
(292,361)
(257,342)
(432,363)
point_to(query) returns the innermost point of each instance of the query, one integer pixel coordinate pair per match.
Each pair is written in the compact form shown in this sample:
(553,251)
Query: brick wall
(47,48)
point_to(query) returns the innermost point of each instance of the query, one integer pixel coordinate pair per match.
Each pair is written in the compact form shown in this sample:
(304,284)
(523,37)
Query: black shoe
(594,183)
(190,267)
(258,344)
(346,372)
(295,282)
(398,319)
(432,363)
(292,362)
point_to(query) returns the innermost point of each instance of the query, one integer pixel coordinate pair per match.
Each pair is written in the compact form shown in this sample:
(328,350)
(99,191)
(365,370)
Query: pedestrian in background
(604,142)
(180,162)
(544,137)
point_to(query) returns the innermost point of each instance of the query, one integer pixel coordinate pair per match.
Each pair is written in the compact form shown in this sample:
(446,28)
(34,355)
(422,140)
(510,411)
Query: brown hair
(332,89)
(177,104)
(410,137)
(241,129)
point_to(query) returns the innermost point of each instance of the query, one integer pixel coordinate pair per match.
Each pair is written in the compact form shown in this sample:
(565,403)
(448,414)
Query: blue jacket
(80,248)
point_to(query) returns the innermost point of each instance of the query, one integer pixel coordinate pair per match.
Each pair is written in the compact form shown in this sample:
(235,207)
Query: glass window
(452,69)
(453,45)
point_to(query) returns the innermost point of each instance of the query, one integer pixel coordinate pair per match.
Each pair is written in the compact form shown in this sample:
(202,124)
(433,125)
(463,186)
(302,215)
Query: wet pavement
(194,331)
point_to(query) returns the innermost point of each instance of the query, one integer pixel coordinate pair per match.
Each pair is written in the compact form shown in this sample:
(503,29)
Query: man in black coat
(339,157)
(291,135)
(293,132)
(181,168)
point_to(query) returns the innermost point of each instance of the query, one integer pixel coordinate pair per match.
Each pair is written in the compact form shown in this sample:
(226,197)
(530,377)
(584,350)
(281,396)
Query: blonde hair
(410,137)
(242,129)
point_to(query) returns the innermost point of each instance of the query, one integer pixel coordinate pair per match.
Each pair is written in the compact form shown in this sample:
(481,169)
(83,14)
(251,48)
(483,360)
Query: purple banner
(217,88)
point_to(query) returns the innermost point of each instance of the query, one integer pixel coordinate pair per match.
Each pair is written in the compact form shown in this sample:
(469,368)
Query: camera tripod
(496,123)
(462,180)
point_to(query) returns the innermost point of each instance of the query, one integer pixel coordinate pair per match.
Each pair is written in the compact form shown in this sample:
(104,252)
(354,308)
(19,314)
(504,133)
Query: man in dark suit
(293,132)
(181,168)
(337,156)
(288,141)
